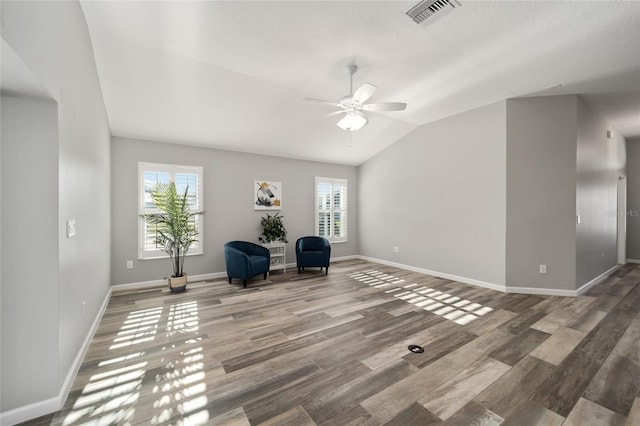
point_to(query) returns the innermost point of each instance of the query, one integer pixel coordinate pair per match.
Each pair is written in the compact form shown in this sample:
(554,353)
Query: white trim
(41,408)
(458,278)
(202,277)
(172,170)
(77,362)
(341,258)
(633,261)
(139,285)
(344,210)
(542,291)
(597,280)
(497,287)
(163,282)
(30,411)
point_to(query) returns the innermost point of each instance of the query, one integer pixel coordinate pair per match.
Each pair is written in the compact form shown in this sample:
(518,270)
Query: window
(150,174)
(331,209)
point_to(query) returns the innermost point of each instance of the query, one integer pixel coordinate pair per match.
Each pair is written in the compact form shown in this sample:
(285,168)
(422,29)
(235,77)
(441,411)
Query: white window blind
(331,209)
(149,175)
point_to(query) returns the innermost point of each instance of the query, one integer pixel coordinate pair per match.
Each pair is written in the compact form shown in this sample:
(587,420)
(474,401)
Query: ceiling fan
(353,105)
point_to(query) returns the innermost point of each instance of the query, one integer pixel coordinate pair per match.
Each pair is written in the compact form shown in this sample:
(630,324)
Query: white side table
(278,256)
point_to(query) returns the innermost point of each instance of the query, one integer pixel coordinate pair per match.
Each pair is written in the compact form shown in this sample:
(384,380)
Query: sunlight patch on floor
(179,392)
(451,307)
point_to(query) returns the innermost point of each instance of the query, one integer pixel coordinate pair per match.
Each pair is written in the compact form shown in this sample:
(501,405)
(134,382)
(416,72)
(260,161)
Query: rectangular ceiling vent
(428,9)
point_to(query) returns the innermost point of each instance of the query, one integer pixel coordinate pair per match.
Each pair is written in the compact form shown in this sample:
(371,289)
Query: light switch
(71,228)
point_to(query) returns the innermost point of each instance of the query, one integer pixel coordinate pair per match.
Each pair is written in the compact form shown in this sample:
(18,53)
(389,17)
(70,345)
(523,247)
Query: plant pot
(178,284)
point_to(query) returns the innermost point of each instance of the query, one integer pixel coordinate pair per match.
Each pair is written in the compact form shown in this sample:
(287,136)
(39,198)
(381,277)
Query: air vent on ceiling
(429,8)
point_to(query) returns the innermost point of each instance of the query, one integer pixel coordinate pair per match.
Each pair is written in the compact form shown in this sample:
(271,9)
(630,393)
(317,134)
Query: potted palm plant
(175,227)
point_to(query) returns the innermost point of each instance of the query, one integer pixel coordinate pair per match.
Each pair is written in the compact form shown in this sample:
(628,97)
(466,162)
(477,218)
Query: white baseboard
(41,408)
(341,258)
(559,292)
(633,261)
(597,280)
(30,411)
(542,291)
(161,283)
(452,277)
(202,277)
(497,287)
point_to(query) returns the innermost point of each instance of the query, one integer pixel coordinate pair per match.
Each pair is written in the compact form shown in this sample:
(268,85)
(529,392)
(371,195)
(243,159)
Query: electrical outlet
(543,269)
(396,249)
(129,264)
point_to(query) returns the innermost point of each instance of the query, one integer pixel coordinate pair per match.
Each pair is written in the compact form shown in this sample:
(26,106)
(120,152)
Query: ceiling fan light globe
(352,121)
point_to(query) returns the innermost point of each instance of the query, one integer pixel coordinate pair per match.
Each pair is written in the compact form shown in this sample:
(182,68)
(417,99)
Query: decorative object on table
(268,195)
(246,260)
(313,251)
(278,255)
(175,227)
(272,229)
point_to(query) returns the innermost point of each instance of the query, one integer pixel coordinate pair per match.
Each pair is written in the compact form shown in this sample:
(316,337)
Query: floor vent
(416,349)
(427,9)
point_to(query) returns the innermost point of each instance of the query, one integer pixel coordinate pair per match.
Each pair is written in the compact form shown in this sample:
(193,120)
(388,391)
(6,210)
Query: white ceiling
(233,74)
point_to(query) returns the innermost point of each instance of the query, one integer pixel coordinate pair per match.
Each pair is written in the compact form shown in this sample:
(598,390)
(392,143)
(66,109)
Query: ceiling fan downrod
(352,70)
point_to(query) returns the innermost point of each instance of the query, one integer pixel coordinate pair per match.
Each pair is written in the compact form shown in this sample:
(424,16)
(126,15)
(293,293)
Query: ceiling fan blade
(385,106)
(363,93)
(322,101)
(334,113)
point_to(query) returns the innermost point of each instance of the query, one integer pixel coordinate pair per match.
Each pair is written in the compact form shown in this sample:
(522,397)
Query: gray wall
(29,300)
(491,194)
(600,161)
(633,199)
(541,192)
(228,195)
(439,195)
(560,164)
(52,40)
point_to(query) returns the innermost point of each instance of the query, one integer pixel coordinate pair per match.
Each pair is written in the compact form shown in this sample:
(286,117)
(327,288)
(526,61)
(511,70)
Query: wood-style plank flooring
(312,349)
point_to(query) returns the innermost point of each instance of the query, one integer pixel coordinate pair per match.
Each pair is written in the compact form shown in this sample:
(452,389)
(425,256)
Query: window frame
(172,170)
(332,210)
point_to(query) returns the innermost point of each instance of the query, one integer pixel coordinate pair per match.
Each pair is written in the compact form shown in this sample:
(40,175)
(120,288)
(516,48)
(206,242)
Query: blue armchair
(245,260)
(313,251)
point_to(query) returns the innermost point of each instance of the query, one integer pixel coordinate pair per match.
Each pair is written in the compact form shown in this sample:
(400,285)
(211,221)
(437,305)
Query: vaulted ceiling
(233,74)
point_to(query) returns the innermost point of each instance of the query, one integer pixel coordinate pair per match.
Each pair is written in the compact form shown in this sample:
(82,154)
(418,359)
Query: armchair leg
(229,280)
(298,270)
(265,275)
(326,270)
(245,283)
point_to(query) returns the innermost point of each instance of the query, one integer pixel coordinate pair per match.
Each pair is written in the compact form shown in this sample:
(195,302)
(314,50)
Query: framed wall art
(267,195)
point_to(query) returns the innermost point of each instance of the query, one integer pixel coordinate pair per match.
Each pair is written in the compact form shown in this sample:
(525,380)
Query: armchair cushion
(313,251)
(245,260)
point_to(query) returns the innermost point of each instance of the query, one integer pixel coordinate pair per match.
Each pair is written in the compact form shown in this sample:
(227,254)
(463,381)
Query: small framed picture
(267,195)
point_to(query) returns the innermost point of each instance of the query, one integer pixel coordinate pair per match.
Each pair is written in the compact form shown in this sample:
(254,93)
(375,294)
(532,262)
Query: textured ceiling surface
(233,74)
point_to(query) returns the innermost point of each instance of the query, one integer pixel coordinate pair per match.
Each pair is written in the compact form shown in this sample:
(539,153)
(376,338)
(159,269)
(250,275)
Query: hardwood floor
(312,349)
